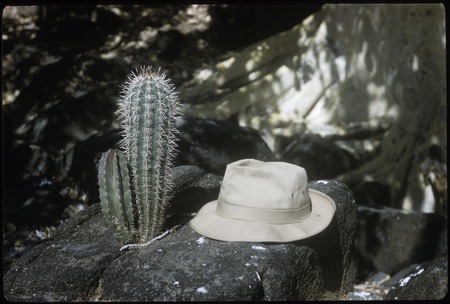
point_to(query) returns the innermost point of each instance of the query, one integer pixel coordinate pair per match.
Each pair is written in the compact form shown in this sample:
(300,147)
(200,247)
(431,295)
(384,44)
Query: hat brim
(208,223)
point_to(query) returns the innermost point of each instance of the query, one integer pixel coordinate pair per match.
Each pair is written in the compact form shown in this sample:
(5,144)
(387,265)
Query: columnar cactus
(147,112)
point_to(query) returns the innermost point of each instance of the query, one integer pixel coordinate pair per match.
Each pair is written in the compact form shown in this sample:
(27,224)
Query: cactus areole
(147,112)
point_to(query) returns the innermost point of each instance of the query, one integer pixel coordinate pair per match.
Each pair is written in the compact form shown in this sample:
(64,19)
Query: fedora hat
(264,202)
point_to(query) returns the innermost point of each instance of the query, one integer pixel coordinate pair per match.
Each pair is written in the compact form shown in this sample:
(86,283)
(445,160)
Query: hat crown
(274,192)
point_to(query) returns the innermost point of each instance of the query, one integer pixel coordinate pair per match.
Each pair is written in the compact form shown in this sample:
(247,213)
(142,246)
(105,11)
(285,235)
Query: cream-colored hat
(264,202)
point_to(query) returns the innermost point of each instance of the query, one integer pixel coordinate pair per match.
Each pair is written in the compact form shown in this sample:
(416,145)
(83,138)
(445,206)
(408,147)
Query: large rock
(302,150)
(82,262)
(428,281)
(211,144)
(68,267)
(193,187)
(390,239)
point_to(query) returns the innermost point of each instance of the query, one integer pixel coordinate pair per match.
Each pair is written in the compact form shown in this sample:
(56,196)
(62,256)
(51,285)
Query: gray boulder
(390,239)
(193,187)
(211,144)
(83,263)
(302,149)
(68,267)
(428,281)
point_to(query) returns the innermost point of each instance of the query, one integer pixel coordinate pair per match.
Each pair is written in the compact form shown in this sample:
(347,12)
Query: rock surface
(302,150)
(78,264)
(211,144)
(428,281)
(68,267)
(390,239)
(193,188)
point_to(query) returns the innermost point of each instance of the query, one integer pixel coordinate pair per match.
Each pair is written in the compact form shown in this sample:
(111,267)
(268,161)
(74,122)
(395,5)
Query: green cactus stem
(115,194)
(147,112)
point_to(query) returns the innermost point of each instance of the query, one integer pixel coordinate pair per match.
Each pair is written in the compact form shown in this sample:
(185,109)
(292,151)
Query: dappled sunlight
(346,64)
(256,57)
(302,87)
(415,63)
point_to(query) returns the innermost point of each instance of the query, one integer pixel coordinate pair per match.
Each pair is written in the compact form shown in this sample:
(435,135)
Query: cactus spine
(147,112)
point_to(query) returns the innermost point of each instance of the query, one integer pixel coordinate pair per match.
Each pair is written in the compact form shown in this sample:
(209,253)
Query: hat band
(269,216)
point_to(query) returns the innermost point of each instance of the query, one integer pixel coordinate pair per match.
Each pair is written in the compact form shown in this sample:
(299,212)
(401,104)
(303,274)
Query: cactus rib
(115,195)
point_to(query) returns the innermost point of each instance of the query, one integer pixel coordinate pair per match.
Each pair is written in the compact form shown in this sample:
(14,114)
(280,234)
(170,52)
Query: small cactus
(115,194)
(147,112)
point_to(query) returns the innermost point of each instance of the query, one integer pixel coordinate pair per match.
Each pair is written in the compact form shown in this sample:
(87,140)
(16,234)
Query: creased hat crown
(274,192)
